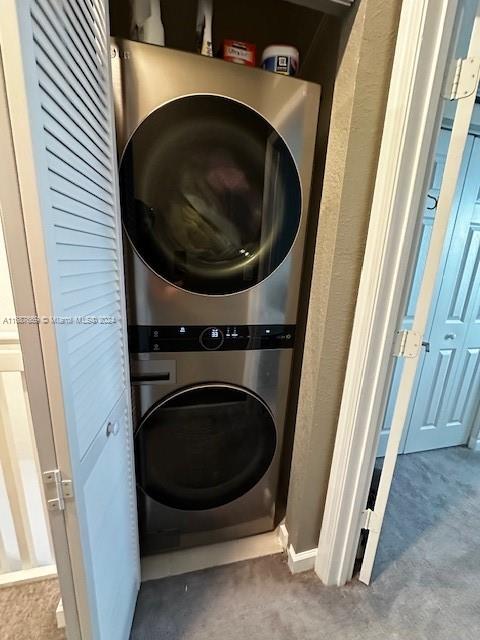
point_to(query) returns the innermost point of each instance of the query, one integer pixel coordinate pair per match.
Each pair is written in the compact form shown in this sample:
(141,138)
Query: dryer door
(211,196)
(204,446)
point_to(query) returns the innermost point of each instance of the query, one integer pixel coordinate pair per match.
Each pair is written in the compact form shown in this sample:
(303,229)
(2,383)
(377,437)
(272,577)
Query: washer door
(204,447)
(211,197)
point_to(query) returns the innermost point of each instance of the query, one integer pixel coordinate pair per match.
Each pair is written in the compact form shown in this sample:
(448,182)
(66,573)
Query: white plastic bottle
(204,27)
(147,25)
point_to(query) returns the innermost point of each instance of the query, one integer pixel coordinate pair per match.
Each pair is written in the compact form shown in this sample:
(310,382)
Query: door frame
(33,355)
(412,121)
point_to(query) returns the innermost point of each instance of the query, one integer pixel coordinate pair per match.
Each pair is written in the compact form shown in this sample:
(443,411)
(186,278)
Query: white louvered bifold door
(56,64)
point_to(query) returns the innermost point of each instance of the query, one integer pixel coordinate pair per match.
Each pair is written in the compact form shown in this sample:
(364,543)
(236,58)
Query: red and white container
(239,52)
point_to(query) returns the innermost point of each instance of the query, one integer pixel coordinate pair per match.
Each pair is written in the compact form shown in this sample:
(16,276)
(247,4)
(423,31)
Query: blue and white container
(281,58)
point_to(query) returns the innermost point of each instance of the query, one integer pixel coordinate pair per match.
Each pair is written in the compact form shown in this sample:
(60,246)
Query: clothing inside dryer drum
(211,197)
(204,447)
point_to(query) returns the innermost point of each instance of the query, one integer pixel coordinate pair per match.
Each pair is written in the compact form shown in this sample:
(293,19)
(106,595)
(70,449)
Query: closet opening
(221,171)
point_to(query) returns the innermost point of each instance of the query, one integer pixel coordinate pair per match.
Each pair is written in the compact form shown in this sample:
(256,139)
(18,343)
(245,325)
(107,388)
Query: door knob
(450,336)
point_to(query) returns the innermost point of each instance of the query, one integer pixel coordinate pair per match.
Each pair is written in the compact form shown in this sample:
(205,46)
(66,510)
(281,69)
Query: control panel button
(211,338)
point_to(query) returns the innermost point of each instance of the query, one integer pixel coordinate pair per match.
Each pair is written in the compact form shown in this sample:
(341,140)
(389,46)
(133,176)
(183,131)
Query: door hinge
(57,490)
(462,79)
(407,344)
(370,521)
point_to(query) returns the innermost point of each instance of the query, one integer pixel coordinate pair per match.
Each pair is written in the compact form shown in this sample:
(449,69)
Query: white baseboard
(302,561)
(187,560)
(28,575)
(283,536)
(60,615)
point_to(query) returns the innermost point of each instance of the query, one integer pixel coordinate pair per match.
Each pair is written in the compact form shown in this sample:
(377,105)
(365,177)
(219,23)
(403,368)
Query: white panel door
(57,73)
(451,176)
(448,388)
(424,242)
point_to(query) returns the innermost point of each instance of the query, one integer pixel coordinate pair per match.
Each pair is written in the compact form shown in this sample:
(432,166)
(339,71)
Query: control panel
(146,339)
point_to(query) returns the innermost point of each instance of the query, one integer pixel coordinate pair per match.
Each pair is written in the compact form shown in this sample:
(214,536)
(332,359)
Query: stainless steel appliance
(208,444)
(215,169)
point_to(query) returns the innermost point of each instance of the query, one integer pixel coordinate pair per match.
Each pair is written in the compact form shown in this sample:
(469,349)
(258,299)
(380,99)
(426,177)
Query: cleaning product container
(281,58)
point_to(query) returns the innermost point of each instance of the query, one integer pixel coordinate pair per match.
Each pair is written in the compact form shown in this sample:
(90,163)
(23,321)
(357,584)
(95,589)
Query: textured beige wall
(368,41)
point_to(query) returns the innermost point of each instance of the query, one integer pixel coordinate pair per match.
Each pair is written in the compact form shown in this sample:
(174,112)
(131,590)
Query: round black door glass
(204,447)
(211,197)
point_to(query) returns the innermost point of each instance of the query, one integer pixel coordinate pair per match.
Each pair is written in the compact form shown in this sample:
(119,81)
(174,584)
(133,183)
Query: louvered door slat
(93,306)
(83,238)
(84,42)
(84,360)
(70,270)
(83,282)
(78,301)
(80,332)
(82,341)
(99,14)
(80,329)
(65,110)
(65,147)
(95,22)
(86,384)
(69,188)
(82,335)
(83,27)
(78,55)
(68,220)
(60,149)
(72,140)
(71,51)
(75,207)
(87,371)
(98,19)
(61,167)
(106,304)
(65,116)
(51,60)
(66,252)
(101,307)
(90,381)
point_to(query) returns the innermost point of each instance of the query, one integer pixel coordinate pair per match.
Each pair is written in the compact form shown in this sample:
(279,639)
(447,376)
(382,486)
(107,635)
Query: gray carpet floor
(426,582)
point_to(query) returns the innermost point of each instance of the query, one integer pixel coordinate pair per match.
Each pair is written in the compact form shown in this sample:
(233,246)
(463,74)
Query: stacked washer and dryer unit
(215,170)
